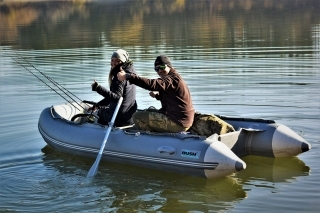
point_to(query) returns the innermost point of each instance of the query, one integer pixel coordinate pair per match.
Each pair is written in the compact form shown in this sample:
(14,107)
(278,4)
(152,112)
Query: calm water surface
(254,58)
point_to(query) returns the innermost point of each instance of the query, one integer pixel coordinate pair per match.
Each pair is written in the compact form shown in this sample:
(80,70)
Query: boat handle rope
(181,136)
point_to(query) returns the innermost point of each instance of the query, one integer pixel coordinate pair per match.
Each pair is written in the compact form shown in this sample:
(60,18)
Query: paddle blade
(94,168)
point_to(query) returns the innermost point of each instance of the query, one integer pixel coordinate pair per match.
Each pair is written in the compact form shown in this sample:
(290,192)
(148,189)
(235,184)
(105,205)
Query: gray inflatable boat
(214,156)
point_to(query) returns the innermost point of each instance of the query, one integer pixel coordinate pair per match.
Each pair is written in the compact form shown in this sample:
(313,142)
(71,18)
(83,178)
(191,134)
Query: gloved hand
(93,108)
(95,85)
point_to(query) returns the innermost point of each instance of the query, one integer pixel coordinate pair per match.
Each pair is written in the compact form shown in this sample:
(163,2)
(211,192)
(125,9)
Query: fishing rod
(51,80)
(48,85)
(60,87)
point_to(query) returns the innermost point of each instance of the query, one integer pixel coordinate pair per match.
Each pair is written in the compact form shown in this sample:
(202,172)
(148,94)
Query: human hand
(121,75)
(93,108)
(153,93)
(95,85)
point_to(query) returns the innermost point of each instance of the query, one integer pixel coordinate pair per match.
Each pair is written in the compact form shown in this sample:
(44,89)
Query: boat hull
(213,156)
(263,138)
(169,152)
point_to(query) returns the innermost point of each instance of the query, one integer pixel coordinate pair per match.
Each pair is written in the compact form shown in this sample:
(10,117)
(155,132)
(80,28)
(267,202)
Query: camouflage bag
(207,125)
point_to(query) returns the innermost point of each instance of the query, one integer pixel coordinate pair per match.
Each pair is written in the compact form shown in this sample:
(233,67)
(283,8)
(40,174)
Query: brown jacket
(174,96)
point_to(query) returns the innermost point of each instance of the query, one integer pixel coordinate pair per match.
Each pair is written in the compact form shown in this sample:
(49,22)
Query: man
(177,112)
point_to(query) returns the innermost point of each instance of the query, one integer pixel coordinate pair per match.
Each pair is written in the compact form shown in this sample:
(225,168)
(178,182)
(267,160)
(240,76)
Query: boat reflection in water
(129,187)
(273,169)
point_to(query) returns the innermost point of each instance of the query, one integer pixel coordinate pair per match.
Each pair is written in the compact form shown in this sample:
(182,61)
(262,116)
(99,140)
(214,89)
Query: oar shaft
(94,168)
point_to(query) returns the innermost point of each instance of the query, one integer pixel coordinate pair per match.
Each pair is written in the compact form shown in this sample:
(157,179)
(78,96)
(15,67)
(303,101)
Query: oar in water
(94,168)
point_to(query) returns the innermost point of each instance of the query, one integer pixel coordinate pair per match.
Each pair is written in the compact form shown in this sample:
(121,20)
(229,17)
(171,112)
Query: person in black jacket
(119,58)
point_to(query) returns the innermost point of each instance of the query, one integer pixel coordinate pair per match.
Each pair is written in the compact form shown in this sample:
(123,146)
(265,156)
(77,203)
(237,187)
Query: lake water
(252,58)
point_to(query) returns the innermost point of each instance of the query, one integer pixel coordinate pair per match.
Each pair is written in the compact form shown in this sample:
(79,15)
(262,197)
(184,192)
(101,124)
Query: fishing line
(47,84)
(60,87)
(50,79)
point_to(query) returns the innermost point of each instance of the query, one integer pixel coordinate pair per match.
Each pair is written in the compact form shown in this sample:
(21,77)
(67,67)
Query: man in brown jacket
(177,112)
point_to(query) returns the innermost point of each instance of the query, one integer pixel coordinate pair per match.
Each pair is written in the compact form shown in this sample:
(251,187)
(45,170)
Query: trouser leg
(155,121)
(103,115)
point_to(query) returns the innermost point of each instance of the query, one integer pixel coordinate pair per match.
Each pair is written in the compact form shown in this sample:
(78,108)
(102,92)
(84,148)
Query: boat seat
(229,139)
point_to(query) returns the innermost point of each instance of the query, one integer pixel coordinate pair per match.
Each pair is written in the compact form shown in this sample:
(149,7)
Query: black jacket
(112,96)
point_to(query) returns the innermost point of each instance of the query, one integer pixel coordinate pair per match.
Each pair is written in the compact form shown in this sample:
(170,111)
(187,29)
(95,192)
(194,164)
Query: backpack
(207,125)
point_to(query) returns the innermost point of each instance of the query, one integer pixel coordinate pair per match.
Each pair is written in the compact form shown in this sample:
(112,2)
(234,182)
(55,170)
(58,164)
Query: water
(256,59)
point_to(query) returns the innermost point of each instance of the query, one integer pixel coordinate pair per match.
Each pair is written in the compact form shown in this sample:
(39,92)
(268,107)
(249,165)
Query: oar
(94,168)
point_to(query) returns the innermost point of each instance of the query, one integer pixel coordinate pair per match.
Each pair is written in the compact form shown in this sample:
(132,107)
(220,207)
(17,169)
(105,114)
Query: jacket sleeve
(157,97)
(104,102)
(110,96)
(152,84)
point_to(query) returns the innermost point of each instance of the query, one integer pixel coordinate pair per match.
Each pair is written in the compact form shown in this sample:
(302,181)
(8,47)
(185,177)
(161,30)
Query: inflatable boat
(209,156)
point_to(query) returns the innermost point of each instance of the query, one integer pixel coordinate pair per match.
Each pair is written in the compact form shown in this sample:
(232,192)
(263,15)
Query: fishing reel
(90,116)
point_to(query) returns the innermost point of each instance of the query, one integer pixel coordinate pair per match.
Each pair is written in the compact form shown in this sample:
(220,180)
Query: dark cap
(161,60)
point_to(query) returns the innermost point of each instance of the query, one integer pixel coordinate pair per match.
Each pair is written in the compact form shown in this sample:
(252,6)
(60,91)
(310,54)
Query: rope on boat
(180,135)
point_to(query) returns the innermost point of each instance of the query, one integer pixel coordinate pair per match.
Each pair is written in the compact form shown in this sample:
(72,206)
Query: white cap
(121,54)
